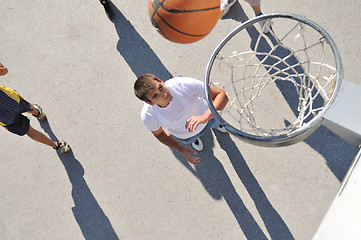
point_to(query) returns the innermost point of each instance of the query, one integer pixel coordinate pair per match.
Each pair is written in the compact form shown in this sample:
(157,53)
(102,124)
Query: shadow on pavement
(216,181)
(135,50)
(92,221)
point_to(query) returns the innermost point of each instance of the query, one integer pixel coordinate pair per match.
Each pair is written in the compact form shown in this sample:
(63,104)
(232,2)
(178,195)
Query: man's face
(160,95)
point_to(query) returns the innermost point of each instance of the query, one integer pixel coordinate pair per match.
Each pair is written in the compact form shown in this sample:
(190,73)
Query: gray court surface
(119,182)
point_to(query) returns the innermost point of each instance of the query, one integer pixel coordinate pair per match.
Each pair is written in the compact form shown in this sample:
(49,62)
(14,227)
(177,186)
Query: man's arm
(171,142)
(219,99)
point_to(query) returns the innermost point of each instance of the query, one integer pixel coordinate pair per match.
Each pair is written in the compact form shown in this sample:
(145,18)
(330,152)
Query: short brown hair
(144,85)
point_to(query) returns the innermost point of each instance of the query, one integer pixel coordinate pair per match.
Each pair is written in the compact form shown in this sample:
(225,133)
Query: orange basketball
(184,21)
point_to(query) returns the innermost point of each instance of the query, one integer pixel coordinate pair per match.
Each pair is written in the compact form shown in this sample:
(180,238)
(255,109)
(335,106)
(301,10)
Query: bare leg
(40,137)
(35,111)
(257,8)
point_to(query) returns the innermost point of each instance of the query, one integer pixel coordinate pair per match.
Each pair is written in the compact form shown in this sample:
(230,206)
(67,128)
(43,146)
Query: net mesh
(276,82)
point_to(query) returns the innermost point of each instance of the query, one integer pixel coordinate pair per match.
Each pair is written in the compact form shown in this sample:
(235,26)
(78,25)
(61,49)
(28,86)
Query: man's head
(3,70)
(152,90)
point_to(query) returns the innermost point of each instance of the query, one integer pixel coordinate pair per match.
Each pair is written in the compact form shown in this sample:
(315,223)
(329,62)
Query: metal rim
(300,133)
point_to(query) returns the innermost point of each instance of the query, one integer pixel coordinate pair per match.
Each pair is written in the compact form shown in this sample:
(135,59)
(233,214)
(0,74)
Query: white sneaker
(221,128)
(41,116)
(226,5)
(63,147)
(198,145)
(265,26)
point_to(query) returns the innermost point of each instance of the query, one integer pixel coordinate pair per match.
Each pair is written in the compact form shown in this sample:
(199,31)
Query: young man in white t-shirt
(176,109)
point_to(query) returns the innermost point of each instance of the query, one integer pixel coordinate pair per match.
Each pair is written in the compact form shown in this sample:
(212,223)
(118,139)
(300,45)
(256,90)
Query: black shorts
(21,124)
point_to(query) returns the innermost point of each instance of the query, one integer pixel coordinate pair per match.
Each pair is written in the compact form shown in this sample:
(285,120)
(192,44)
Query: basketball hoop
(279,84)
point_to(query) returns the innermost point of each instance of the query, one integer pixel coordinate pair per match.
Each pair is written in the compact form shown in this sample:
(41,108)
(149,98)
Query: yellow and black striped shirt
(9,104)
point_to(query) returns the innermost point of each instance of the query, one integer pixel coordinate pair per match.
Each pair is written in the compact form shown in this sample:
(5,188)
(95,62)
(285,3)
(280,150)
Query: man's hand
(187,154)
(170,141)
(193,122)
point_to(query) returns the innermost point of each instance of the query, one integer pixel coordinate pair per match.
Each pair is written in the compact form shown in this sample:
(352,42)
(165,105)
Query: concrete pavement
(119,182)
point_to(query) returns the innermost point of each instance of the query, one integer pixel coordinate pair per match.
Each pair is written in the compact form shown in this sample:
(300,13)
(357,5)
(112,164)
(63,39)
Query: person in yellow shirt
(12,105)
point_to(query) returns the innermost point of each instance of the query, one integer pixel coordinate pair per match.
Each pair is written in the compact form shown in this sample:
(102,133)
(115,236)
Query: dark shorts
(21,124)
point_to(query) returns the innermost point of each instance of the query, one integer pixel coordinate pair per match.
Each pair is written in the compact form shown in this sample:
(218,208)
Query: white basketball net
(279,81)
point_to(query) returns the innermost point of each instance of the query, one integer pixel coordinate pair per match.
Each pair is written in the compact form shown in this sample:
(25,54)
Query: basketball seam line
(160,4)
(156,4)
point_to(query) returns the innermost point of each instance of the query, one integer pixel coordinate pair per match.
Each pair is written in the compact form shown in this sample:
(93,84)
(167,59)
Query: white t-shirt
(188,100)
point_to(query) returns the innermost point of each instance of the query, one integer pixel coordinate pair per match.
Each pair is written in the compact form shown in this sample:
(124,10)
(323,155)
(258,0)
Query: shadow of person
(91,219)
(323,140)
(275,225)
(216,181)
(135,50)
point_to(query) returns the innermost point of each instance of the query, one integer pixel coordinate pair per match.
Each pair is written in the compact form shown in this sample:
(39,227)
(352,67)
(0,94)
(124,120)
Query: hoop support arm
(344,116)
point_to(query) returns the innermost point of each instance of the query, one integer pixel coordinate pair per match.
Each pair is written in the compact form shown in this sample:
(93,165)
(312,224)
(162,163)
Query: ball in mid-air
(184,21)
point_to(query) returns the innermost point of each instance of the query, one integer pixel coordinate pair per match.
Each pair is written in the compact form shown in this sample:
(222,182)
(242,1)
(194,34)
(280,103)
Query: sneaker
(41,116)
(107,9)
(265,26)
(63,147)
(226,5)
(221,128)
(198,145)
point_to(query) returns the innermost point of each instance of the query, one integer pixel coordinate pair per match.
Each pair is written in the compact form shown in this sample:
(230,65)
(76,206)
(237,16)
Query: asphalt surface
(119,182)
